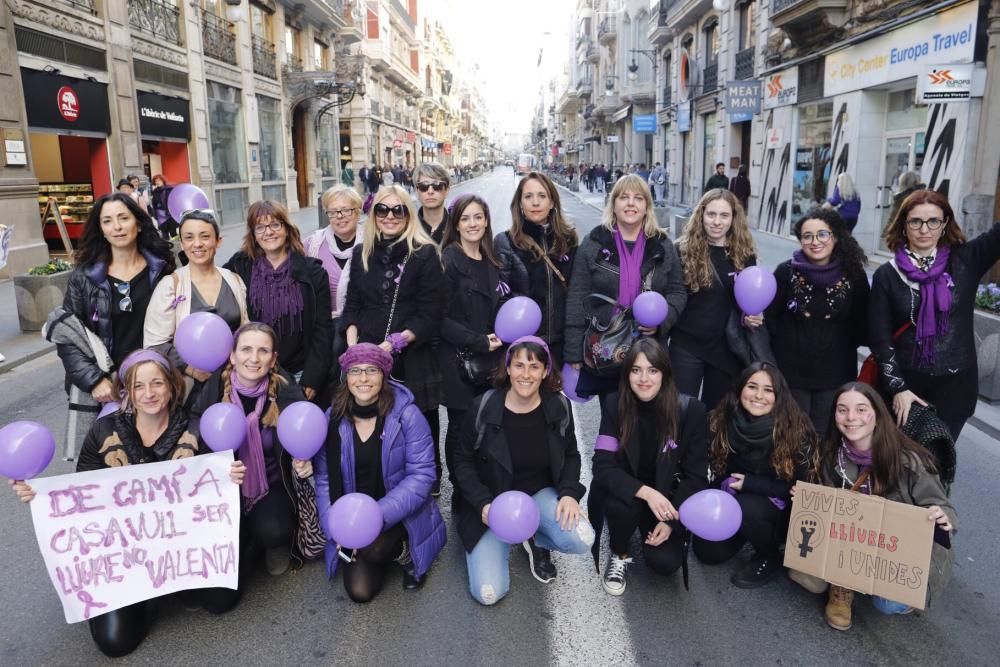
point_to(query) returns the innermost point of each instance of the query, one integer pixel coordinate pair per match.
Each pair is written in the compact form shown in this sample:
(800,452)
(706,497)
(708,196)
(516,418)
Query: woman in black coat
(290,293)
(396,300)
(536,255)
(929,287)
(472,296)
(819,315)
(626,255)
(651,455)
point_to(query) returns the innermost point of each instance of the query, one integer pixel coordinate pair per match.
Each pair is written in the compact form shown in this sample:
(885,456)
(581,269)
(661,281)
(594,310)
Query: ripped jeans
(489,573)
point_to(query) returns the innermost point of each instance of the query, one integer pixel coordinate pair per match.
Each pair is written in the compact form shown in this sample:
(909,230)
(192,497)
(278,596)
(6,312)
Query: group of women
(383,326)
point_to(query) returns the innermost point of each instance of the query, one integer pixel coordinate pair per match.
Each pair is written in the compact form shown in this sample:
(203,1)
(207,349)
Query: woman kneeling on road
(520,437)
(651,455)
(381,446)
(151,426)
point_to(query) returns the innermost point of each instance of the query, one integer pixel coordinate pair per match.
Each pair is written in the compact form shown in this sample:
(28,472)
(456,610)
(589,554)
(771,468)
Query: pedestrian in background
(819,316)
(718,179)
(846,200)
(920,312)
(909,181)
(658,183)
(739,185)
(347,175)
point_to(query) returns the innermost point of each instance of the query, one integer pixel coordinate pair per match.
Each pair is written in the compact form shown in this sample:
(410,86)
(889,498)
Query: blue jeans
(889,607)
(489,574)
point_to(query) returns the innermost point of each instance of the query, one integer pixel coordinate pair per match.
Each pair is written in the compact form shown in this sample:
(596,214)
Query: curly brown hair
(894,235)
(794,437)
(693,244)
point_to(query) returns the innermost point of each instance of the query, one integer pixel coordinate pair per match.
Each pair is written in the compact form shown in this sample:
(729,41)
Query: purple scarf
(824,276)
(274,295)
(935,300)
(861,459)
(252,450)
(629,268)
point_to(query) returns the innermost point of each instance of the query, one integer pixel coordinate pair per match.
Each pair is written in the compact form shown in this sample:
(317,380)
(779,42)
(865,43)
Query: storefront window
(232,205)
(327,148)
(903,114)
(813,158)
(225,120)
(271,146)
(708,149)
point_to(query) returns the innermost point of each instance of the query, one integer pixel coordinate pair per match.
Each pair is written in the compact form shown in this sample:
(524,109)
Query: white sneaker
(614,575)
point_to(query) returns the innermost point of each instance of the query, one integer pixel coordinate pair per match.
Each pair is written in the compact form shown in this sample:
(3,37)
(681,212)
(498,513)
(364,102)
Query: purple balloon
(204,341)
(186,197)
(650,309)
(354,521)
(570,376)
(302,429)
(712,515)
(755,288)
(108,408)
(513,516)
(26,448)
(518,317)
(223,427)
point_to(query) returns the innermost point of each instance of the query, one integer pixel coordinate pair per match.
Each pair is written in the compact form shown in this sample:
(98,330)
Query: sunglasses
(203,214)
(125,290)
(383,211)
(437,186)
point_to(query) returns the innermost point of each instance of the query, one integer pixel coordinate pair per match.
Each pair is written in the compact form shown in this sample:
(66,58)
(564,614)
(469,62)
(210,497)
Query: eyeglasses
(933,224)
(367,371)
(274,226)
(383,211)
(822,237)
(125,289)
(437,186)
(340,212)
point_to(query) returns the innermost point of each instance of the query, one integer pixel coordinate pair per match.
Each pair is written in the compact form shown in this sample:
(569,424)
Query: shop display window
(813,159)
(225,119)
(272,163)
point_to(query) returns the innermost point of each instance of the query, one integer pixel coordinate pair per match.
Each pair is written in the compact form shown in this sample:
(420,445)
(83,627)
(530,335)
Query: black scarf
(751,439)
(334,446)
(162,449)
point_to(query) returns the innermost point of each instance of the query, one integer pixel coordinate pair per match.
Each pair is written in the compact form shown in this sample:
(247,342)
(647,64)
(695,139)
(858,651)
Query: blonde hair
(413,235)
(846,186)
(693,244)
(274,380)
(635,184)
(341,191)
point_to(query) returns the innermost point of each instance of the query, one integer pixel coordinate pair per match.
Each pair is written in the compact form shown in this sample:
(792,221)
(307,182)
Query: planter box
(987,328)
(37,296)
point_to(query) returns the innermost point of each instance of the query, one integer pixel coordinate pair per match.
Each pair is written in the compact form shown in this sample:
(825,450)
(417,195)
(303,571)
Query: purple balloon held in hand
(712,515)
(302,429)
(26,448)
(204,341)
(513,516)
(650,309)
(754,289)
(354,521)
(223,427)
(518,317)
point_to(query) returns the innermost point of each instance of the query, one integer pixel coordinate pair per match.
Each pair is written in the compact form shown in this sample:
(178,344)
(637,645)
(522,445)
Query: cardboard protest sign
(114,537)
(864,543)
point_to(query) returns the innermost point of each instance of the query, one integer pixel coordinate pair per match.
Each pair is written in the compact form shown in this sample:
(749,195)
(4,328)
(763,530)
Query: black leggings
(455,419)
(364,576)
(695,377)
(623,519)
(764,526)
(268,525)
(434,421)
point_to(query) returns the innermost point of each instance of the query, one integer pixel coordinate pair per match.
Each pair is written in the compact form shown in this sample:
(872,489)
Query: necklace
(848,483)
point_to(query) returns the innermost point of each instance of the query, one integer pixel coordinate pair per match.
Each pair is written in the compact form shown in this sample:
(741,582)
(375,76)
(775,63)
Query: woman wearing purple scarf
(930,286)
(624,256)
(290,293)
(819,316)
(253,381)
(866,452)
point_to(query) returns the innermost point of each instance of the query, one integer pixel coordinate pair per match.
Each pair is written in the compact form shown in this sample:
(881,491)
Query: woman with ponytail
(253,381)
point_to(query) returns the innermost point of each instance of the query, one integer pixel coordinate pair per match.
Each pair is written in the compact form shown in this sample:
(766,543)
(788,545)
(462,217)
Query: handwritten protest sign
(864,543)
(114,537)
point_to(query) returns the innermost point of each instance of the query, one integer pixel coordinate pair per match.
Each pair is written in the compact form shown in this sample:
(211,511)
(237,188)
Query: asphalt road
(301,618)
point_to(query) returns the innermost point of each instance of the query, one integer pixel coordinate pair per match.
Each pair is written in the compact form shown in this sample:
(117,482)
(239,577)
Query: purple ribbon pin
(503,288)
(176,302)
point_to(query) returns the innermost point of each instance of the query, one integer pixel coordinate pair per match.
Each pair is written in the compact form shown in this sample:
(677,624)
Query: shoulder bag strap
(395,296)
(862,478)
(555,271)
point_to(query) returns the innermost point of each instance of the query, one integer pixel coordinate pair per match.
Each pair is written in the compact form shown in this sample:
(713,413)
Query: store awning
(621,114)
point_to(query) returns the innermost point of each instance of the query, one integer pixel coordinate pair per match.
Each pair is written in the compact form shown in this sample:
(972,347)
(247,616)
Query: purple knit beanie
(366,353)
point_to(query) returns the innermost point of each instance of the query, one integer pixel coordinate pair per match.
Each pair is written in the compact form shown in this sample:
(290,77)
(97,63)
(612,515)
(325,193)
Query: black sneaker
(410,580)
(757,572)
(540,561)
(436,488)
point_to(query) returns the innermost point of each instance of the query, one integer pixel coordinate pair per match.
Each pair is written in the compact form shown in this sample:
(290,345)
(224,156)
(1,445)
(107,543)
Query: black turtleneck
(648,444)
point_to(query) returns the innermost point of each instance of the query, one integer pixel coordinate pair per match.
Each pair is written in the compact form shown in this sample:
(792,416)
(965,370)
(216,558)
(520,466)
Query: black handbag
(605,345)
(925,427)
(477,368)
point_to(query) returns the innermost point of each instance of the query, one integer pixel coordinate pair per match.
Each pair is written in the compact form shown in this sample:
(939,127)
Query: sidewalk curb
(577,195)
(10,364)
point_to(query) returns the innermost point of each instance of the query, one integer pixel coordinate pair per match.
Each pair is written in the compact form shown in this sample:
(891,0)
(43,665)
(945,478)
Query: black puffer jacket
(596,272)
(88,297)
(527,276)
(892,303)
(113,441)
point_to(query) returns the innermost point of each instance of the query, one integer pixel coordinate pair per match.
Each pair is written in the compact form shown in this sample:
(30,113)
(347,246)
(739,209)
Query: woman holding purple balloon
(819,315)
(761,444)
(378,444)
(290,293)
(259,389)
(628,254)
(517,450)
(198,287)
(715,245)
(151,426)
(651,455)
